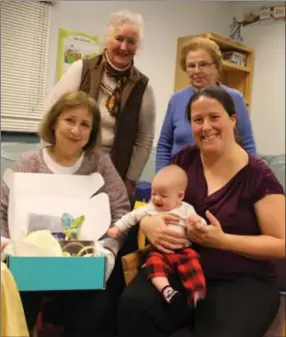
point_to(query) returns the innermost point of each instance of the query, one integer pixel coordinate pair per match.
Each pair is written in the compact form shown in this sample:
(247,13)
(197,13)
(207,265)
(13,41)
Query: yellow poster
(72,46)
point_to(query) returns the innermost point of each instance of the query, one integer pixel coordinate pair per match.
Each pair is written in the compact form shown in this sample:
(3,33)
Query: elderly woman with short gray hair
(124,95)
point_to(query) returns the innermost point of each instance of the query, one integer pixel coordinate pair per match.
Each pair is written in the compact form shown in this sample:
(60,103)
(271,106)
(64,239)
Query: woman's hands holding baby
(210,235)
(3,245)
(156,229)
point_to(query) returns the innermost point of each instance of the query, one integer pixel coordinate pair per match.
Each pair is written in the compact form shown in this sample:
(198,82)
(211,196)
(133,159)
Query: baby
(168,191)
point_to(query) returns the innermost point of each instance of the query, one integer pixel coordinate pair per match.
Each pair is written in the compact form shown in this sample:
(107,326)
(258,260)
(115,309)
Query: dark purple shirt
(233,206)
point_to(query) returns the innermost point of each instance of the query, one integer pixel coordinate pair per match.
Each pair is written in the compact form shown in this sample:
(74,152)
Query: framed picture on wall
(74,45)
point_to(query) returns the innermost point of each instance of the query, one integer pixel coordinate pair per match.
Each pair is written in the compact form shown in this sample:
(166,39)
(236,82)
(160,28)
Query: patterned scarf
(121,77)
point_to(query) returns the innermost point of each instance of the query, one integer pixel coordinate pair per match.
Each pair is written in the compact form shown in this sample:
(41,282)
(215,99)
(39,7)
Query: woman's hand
(110,258)
(210,235)
(155,227)
(3,245)
(130,187)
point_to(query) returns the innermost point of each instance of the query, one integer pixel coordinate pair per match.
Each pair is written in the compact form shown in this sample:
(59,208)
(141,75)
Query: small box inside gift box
(67,232)
(77,247)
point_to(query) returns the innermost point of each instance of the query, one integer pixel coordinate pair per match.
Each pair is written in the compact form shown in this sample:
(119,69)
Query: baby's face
(164,196)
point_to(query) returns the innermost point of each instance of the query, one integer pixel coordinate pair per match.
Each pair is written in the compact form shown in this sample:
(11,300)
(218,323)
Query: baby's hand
(195,221)
(113,232)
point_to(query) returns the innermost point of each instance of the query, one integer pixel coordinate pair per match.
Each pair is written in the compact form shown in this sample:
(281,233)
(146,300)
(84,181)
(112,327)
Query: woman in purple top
(201,59)
(244,206)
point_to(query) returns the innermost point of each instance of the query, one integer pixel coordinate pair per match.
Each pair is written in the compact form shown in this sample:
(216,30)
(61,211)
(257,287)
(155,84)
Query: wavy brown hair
(66,102)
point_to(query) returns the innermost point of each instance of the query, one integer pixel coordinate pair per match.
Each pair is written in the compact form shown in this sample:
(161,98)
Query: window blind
(25,32)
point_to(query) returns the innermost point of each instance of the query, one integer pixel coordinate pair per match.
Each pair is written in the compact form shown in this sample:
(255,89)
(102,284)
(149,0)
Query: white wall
(164,22)
(267,38)
(268,102)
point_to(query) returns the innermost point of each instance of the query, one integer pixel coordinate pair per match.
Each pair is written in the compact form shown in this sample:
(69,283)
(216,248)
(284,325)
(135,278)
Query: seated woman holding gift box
(72,127)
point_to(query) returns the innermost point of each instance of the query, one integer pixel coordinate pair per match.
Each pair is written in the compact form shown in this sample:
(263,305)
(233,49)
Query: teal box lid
(58,273)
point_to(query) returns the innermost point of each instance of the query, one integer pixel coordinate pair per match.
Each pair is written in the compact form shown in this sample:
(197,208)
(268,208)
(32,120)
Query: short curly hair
(118,18)
(69,101)
(199,42)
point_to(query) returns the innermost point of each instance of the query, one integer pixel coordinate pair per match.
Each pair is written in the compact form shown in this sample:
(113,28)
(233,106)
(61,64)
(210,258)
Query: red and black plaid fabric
(184,262)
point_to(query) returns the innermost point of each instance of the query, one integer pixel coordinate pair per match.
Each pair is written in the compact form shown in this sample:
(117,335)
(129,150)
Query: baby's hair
(176,174)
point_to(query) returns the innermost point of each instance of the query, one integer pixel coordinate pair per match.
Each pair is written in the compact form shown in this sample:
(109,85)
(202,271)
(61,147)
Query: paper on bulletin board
(73,46)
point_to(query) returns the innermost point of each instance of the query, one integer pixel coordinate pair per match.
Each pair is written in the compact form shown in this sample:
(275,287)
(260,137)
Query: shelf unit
(232,75)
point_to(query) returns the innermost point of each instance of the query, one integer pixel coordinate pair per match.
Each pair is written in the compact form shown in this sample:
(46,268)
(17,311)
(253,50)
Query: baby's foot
(171,295)
(197,297)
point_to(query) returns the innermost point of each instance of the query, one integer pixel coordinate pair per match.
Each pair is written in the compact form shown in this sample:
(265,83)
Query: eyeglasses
(203,65)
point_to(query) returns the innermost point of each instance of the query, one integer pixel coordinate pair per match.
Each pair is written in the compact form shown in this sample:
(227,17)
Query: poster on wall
(72,46)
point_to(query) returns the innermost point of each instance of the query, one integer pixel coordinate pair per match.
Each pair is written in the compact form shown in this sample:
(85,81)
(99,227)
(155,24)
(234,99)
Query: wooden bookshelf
(232,75)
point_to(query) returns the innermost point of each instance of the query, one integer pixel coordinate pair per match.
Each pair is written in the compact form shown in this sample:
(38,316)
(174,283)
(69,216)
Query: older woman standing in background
(124,95)
(201,59)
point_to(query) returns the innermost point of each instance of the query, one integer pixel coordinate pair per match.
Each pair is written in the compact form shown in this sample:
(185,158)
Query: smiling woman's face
(72,130)
(212,127)
(201,69)
(122,45)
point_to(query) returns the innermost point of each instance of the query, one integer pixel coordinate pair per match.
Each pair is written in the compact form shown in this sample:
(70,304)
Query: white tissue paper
(39,243)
